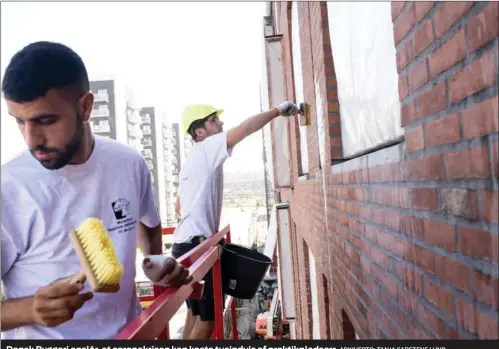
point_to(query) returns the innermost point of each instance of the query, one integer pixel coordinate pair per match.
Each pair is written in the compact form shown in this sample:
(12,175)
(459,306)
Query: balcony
(101,127)
(146,130)
(134,131)
(147,153)
(133,116)
(167,133)
(146,119)
(136,145)
(101,96)
(100,112)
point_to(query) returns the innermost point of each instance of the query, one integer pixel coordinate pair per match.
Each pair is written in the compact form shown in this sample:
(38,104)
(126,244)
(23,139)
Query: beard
(62,157)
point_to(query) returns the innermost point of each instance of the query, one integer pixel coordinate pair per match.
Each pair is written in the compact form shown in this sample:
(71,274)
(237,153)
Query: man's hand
(169,273)
(57,303)
(258,121)
(288,109)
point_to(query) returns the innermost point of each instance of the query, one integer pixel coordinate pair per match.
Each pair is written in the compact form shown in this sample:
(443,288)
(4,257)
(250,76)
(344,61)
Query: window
(147,153)
(102,96)
(101,126)
(364,57)
(146,118)
(298,79)
(348,329)
(101,110)
(104,123)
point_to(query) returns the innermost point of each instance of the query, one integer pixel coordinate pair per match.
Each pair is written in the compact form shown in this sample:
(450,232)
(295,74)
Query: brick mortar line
(494,171)
(459,294)
(443,149)
(496,54)
(410,34)
(475,9)
(406,263)
(471,184)
(446,74)
(481,265)
(343,296)
(381,308)
(345,304)
(402,10)
(479,202)
(459,222)
(450,108)
(447,318)
(378,321)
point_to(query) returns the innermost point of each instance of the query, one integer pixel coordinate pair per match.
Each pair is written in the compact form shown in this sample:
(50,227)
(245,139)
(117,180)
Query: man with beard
(68,175)
(199,203)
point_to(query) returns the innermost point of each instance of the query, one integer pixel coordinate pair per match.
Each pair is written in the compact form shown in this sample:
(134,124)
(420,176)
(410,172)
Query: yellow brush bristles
(99,252)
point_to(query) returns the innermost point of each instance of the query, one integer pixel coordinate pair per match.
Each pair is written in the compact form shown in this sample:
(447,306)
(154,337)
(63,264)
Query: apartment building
(387,195)
(104,113)
(134,122)
(148,129)
(171,167)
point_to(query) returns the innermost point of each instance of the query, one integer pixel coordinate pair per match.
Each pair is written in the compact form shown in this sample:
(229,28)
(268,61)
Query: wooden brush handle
(78,278)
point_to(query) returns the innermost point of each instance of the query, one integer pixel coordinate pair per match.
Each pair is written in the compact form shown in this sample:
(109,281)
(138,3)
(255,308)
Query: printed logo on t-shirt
(123,214)
(121,208)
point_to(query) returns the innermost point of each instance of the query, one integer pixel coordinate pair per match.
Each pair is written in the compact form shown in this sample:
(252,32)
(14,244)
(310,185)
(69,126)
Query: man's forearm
(250,126)
(177,206)
(150,240)
(258,121)
(16,313)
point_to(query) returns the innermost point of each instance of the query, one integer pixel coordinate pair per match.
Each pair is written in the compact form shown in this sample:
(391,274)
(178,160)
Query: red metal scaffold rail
(153,322)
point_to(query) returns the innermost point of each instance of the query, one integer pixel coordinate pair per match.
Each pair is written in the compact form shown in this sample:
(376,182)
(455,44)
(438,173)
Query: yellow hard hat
(197,112)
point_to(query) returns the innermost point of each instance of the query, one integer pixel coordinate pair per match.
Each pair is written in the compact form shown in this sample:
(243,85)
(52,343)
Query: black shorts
(204,307)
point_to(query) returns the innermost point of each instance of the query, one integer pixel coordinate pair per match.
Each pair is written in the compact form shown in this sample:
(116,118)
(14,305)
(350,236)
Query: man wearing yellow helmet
(201,193)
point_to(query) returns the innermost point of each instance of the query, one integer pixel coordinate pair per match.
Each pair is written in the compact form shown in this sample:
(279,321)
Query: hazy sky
(171,54)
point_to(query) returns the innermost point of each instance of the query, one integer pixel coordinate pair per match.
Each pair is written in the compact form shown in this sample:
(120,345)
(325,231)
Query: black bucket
(243,270)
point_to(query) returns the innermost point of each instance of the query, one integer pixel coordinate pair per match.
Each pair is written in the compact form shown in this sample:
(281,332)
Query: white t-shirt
(201,189)
(40,207)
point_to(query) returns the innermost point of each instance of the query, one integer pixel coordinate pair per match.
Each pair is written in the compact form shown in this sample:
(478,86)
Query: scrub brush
(305,119)
(97,256)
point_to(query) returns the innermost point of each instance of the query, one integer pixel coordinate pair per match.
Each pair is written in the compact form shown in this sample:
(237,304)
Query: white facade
(171,152)
(109,114)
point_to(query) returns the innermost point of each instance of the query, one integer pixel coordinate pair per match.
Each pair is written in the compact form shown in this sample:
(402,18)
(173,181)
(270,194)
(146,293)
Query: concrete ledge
(392,154)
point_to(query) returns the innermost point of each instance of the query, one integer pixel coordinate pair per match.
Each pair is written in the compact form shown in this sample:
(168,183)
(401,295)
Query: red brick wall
(407,249)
